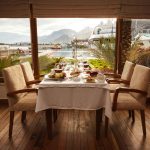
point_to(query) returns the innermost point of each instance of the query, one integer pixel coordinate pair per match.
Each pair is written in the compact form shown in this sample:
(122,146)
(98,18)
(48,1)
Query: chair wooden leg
(106,125)
(98,120)
(55,115)
(101,114)
(143,121)
(48,115)
(133,116)
(23,117)
(11,123)
(129,112)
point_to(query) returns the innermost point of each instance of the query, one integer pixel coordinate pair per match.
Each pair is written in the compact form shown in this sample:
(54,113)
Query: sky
(48,25)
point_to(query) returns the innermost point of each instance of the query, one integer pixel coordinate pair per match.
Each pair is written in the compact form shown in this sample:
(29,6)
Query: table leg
(98,120)
(106,125)
(55,114)
(48,115)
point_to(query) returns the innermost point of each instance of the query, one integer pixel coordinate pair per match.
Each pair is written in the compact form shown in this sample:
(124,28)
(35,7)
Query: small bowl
(58,70)
(93,73)
(84,62)
(88,71)
(90,80)
(86,65)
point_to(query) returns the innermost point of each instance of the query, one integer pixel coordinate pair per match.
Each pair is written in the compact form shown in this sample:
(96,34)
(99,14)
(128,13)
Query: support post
(34,43)
(118,44)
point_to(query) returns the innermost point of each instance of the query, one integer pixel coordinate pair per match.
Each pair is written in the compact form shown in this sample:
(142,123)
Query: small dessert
(88,71)
(58,70)
(93,73)
(75,72)
(90,79)
(55,75)
(85,62)
(86,65)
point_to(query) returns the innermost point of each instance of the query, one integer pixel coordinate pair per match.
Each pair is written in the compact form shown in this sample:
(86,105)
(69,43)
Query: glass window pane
(59,38)
(15,44)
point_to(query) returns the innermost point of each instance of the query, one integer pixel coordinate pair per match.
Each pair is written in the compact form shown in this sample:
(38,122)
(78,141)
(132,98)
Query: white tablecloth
(73,95)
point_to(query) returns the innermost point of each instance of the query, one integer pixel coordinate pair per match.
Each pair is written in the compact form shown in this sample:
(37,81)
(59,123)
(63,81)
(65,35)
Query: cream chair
(32,82)
(133,97)
(20,97)
(123,79)
(28,74)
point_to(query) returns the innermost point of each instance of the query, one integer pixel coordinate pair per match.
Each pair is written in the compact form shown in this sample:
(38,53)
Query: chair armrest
(39,76)
(124,90)
(33,82)
(42,75)
(115,81)
(115,75)
(22,91)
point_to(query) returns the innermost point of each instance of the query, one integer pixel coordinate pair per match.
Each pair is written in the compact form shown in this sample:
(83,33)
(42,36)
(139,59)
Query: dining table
(75,94)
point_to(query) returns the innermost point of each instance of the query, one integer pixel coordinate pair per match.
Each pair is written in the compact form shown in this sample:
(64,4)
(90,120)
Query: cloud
(46,26)
(20,26)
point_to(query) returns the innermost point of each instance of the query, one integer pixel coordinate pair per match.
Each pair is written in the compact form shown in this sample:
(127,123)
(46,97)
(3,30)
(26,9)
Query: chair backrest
(27,71)
(127,71)
(14,80)
(140,80)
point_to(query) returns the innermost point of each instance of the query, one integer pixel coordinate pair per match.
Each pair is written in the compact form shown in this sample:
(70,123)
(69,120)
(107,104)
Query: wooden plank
(74,130)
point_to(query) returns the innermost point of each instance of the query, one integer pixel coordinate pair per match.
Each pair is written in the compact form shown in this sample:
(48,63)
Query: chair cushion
(127,71)
(27,71)
(14,80)
(126,101)
(112,87)
(140,80)
(26,103)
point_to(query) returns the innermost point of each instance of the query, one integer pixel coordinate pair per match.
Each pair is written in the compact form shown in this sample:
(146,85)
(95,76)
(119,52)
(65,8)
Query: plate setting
(55,78)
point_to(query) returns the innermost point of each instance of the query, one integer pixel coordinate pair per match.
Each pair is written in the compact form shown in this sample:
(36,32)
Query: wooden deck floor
(74,130)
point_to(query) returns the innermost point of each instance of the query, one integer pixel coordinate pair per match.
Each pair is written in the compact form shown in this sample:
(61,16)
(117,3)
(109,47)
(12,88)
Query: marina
(24,51)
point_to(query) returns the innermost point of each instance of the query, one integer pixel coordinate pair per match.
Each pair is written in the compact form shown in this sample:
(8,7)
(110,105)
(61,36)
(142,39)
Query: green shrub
(105,49)
(139,54)
(46,63)
(10,60)
(101,64)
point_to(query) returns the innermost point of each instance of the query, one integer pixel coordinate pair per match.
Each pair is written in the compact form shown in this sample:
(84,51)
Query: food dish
(75,73)
(58,70)
(93,73)
(55,76)
(90,80)
(53,79)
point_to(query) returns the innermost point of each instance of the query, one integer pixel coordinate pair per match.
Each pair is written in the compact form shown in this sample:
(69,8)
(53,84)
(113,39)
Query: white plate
(46,77)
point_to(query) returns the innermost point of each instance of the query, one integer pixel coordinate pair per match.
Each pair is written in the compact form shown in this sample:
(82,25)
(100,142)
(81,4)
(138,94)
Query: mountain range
(8,37)
(60,36)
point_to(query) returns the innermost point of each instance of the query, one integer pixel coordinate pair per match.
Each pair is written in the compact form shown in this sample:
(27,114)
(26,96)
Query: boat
(144,39)
(100,32)
(55,46)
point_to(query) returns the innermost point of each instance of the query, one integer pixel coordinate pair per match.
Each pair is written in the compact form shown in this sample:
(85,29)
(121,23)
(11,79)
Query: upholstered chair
(32,82)
(20,98)
(123,79)
(134,96)
(28,74)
